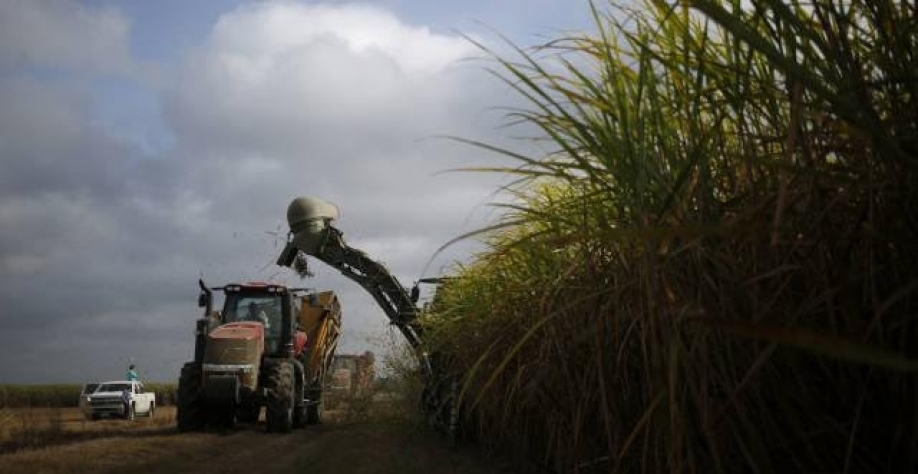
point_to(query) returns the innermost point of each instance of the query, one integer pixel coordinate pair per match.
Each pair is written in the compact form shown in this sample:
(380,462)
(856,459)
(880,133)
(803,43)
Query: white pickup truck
(122,398)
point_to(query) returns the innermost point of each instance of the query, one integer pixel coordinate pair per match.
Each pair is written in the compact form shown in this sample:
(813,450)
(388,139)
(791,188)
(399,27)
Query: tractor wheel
(189,407)
(280,401)
(299,415)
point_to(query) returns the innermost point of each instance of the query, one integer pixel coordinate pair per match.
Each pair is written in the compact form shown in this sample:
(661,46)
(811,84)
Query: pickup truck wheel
(189,407)
(280,402)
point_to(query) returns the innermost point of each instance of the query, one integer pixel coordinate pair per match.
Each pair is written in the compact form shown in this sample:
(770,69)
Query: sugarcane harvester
(312,234)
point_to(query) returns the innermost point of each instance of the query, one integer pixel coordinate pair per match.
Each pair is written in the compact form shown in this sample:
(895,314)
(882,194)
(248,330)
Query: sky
(144,145)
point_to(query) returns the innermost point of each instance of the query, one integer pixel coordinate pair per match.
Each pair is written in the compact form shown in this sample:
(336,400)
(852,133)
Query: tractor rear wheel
(280,401)
(190,407)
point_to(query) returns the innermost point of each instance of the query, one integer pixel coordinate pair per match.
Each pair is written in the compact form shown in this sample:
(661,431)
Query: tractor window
(265,309)
(260,306)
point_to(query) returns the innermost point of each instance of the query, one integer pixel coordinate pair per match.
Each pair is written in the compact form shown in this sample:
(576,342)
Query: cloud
(281,77)
(341,102)
(101,243)
(48,143)
(62,34)
(264,30)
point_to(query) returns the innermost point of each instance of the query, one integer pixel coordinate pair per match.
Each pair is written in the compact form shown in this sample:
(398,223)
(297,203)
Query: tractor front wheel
(190,414)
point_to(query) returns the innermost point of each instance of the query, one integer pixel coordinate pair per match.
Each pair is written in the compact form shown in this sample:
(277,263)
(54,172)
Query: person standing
(131,373)
(128,409)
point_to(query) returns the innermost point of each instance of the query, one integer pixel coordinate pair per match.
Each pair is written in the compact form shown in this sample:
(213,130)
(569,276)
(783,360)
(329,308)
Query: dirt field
(61,441)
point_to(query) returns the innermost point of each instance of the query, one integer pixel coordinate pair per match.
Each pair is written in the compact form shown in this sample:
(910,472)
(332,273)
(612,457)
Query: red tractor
(254,353)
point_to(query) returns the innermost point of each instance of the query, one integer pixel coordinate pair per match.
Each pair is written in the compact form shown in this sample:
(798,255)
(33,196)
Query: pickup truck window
(114,387)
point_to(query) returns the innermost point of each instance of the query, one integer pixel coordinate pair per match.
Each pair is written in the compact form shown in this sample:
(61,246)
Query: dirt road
(153,447)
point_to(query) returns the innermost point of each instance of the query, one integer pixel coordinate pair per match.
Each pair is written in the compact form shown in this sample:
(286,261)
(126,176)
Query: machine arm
(375,279)
(312,233)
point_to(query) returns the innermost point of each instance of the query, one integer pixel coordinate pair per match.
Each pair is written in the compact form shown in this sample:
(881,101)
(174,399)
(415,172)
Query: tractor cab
(270,305)
(273,306)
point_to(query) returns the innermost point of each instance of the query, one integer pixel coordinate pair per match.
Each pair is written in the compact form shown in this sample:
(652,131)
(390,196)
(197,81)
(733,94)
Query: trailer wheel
(314,413)
(189,407)
(280,402)
(299,415)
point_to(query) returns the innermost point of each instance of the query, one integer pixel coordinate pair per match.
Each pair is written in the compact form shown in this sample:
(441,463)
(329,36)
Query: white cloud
(271,29)
(280,76)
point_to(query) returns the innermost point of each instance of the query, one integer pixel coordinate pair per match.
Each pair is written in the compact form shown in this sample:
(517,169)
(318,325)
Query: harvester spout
(309,218)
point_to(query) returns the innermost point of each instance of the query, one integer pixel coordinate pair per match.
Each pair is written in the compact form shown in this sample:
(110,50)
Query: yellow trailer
(320,318)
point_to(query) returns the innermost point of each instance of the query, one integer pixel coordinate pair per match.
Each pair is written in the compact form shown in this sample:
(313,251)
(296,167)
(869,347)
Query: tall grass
(713,268)
(67,395)
(45,395)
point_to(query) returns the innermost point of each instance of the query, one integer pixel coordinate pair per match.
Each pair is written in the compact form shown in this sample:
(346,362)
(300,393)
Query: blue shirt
(132,375)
